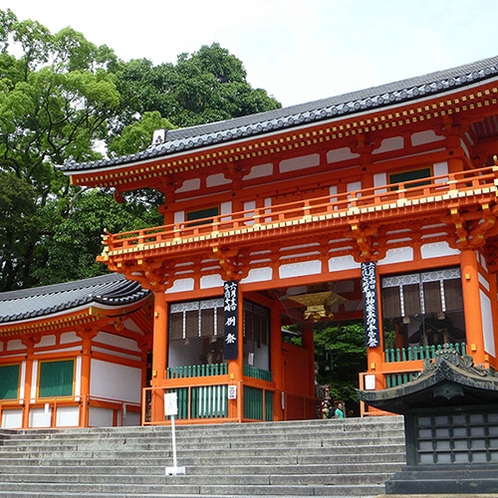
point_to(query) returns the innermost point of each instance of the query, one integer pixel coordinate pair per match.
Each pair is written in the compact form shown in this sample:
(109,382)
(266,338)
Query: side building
(74,354)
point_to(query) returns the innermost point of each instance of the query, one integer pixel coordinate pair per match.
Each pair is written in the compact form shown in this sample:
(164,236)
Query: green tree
(60,96)
(19,230)
(205,86)
(341,354)
(55,101)
(75,239)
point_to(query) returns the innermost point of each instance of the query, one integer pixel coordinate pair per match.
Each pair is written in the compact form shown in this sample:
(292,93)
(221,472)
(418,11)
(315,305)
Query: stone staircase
(328,458)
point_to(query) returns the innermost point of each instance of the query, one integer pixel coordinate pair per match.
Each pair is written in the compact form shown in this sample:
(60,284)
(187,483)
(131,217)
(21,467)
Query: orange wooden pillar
(86,350)
(276,362)
(159,348)
(371,291)
(472,305)
(29,389)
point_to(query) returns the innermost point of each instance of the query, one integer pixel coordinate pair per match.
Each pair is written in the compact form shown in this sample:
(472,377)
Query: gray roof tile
(111,290)
(185,139)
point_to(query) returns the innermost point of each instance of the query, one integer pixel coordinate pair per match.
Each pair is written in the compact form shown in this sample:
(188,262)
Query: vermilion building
(378,204)
(74,354)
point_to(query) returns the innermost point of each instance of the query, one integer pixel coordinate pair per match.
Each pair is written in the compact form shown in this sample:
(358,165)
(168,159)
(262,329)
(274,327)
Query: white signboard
(232,392)
(171,404)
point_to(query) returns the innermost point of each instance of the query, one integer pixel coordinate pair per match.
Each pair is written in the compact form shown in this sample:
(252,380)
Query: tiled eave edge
(47,324)
(144,169)
(65,320)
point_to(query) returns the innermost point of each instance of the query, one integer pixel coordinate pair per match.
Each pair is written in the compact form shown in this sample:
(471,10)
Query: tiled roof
(186,139)
(112,290)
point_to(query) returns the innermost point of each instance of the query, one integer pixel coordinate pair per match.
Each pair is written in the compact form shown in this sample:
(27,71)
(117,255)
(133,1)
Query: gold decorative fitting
(318,304)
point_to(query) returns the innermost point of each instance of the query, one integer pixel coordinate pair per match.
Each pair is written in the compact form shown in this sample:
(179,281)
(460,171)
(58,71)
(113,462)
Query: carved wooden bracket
(368,244)
(230,261)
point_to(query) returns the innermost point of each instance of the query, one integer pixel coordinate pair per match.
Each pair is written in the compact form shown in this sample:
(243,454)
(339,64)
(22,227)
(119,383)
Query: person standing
(339,411)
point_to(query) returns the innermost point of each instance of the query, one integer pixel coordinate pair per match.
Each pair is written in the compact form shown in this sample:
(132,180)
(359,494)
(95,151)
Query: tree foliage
(341,354)
(60,96)
(208,85)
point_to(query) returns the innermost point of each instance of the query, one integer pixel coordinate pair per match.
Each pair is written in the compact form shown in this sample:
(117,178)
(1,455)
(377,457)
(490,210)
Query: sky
(297,50)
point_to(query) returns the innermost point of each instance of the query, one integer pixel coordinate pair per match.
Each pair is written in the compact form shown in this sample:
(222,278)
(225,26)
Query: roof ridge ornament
(449,355)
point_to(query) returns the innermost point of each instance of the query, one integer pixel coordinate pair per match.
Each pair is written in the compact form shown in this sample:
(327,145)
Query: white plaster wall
(216,180)
(46,340)
(15,345)
(249,205)
(181,285)
(23,380)
(342,263)
(487,324)
(300,269)
(179,217)
(189,185)
(115,382)
(425,137)
(67,416)
(338,155)
(100,417)
(441,169)
(117,341)
(380,179)
(389,144)
(210,281)
(437,250)
(131,418)
(40,417)
(483,281)
(34,381)
(351,187)
(258,275)
(397,255)
(226,208)
(12,419)
(299,163)
(260,171)
(69,337)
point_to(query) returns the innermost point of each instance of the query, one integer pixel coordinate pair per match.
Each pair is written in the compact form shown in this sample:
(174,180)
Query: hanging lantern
(318,304)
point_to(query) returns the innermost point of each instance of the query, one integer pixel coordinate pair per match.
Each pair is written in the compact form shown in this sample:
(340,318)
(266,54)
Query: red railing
(438,191)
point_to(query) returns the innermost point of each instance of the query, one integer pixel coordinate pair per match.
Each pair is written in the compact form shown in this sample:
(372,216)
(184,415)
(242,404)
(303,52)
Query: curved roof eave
(190,139)
(108,291)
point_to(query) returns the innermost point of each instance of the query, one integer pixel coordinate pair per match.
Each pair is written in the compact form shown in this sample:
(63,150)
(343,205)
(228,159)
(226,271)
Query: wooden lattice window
(410,176)
(56,379)
(9,381)
(196,319)
(202,216)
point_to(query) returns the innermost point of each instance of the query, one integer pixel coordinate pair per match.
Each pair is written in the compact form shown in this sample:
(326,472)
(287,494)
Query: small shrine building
(377,205)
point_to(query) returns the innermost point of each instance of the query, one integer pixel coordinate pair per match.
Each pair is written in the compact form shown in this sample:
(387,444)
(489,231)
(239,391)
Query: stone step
(206,490)
(19,472)
(243,479)
(397,455)
(219,443)
(118,439)
(351,424)
(326,458)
